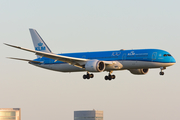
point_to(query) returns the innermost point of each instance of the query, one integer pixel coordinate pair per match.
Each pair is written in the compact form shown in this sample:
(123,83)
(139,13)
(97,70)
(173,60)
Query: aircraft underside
(126,65)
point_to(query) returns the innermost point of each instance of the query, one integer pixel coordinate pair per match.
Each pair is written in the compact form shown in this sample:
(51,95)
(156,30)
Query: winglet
(12,45)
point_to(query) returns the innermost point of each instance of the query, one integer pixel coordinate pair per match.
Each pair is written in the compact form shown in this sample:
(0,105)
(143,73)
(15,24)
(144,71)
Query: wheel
(84,76)
(110,77)
(92,75)
(88,76)
(106,78)
(113,76)
(161,73)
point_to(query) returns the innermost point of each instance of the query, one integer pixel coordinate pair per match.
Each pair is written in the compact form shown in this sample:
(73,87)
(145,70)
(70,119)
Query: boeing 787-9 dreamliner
(137,61)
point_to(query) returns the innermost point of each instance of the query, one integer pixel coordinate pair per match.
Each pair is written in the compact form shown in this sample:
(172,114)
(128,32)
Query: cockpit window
(166,55)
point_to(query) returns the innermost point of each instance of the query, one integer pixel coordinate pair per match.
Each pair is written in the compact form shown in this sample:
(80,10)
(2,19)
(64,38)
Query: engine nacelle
(95,66)
(139,71)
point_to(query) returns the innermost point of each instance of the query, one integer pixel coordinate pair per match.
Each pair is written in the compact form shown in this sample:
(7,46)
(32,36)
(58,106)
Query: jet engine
(139,71)
(95,66)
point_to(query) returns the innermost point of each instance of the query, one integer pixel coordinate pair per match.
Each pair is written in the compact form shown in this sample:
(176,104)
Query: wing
(78,62)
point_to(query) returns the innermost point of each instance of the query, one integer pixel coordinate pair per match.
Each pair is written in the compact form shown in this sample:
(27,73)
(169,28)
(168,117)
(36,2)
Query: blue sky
(76,26)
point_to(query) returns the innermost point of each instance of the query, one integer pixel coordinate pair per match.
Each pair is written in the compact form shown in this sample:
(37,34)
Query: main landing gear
(110,77)
(162,68)
(88,76)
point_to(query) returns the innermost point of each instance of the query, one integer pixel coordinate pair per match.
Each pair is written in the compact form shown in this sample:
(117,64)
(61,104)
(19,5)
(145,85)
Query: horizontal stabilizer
(24,60)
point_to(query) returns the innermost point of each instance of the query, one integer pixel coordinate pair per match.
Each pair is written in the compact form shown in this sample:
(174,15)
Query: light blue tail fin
(38,42)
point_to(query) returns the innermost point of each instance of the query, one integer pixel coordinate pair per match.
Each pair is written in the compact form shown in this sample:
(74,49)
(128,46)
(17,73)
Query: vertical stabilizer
(38,42)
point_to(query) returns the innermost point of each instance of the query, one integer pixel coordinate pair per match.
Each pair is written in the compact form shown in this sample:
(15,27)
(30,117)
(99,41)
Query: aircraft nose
(173,60)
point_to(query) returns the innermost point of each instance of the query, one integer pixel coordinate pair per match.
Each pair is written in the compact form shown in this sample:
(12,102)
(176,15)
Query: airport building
(10,114)
(88,115)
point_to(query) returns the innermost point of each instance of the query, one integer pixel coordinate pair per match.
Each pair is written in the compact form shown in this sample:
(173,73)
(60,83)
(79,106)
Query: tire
(92,75)
(113,76)
(110,77)
(84,76)
(88,76)
(106,78)
(161,73)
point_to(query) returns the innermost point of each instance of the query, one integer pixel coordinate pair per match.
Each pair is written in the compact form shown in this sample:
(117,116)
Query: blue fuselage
(146,55)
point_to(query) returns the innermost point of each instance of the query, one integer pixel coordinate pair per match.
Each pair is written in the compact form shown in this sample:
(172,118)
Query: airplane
(137,61)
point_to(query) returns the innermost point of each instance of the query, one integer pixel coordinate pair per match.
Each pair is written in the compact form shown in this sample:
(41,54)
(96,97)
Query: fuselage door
(154,55)
(124,56)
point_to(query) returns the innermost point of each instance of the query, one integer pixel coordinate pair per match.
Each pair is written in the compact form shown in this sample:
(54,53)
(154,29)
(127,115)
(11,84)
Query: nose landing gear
(162,68)
(88,76)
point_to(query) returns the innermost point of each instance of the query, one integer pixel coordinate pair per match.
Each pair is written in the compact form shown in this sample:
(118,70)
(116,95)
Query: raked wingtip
(7,44)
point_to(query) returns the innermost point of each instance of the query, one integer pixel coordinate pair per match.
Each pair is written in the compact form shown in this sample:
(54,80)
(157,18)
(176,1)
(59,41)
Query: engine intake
(95,66)
(139,71)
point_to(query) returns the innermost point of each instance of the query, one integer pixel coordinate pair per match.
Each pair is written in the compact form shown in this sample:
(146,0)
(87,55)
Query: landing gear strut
(88,76)
(110,77)
(162,68)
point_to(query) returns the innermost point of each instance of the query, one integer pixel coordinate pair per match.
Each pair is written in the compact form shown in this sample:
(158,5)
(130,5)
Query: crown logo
(40,44)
